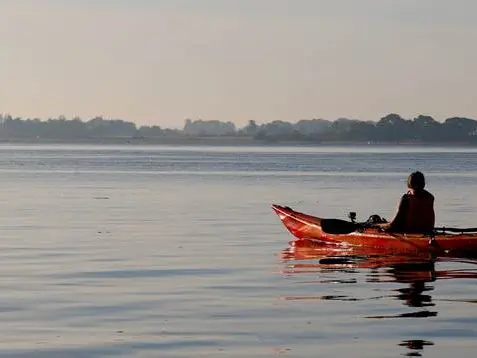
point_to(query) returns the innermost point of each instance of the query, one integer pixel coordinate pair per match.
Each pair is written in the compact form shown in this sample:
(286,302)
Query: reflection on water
(417,275)
(417,293)
(414,271)
(415,346)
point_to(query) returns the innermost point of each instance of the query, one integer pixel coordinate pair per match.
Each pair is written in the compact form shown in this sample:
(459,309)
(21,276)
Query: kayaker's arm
(397,222)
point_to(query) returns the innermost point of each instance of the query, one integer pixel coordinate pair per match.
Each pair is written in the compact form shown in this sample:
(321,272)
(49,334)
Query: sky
(158,62)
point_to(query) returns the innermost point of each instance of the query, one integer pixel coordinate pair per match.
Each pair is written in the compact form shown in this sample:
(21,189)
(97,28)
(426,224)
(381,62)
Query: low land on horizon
(222,141)
(389,130)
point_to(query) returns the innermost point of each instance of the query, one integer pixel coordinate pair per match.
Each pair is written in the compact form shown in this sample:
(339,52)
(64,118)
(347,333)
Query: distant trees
(150,131)
(208,128)
(99,127)
(423,128)
(251,129)
(391,128)
(60,127)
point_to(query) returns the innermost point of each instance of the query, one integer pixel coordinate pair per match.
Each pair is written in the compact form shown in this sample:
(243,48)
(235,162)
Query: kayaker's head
(416,181)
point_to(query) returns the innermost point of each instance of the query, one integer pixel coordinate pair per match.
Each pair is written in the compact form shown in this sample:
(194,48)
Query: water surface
(126,251)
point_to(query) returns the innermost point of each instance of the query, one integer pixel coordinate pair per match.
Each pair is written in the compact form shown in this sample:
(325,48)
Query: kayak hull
(308,228)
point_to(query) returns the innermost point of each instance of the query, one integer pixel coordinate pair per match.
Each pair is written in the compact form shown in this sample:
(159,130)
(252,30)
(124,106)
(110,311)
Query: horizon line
(107,118)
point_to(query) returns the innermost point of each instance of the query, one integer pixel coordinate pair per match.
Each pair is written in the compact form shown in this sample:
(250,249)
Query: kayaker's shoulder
(421,194)
(428,194)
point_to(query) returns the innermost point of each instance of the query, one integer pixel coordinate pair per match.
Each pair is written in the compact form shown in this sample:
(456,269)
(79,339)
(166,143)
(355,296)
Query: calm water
(175,252)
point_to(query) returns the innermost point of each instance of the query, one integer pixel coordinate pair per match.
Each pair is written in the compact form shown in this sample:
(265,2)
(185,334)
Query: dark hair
(416,181)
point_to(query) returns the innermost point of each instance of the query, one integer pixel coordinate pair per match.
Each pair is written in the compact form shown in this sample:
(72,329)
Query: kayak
(308,228)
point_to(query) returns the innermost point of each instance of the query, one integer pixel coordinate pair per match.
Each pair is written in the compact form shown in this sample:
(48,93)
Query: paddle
(454,229)
(405,240)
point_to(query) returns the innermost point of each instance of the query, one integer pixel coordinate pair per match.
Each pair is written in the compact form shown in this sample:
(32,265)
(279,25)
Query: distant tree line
(62,128)
(389,129)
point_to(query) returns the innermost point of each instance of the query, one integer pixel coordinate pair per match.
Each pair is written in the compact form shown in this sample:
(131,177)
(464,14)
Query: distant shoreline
(391,130)
(224,141)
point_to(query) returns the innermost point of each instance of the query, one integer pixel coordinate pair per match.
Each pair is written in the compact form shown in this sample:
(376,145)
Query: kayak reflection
(416,271)
(415,347)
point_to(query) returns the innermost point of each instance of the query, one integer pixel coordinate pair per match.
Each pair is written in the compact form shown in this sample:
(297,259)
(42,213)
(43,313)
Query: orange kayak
(308,228)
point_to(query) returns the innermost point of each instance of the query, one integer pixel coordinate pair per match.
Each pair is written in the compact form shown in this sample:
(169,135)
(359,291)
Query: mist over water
(128,251)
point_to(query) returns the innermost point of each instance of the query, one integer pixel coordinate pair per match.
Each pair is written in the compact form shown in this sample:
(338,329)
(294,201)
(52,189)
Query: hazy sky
(161,61)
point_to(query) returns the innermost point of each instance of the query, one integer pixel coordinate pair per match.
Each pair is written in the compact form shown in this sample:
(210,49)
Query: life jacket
(420,216)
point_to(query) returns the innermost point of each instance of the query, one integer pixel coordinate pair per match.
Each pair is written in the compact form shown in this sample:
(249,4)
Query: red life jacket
(420,216)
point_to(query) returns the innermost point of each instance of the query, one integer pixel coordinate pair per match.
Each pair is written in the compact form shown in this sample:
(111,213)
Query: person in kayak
(416,209)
